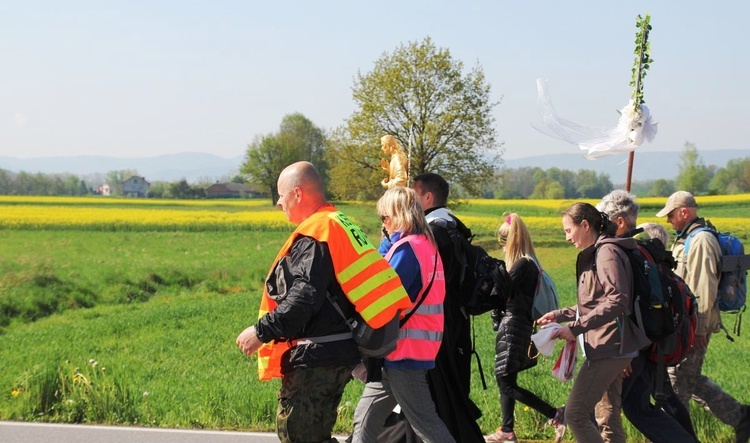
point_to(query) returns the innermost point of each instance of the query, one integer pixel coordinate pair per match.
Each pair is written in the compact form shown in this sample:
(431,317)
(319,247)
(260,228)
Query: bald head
(302,175)
(301,191)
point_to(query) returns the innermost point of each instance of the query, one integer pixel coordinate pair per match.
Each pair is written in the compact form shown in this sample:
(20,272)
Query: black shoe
(743,429)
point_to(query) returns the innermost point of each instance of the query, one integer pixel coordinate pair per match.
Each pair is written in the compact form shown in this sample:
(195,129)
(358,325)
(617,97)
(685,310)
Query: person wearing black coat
(514,350)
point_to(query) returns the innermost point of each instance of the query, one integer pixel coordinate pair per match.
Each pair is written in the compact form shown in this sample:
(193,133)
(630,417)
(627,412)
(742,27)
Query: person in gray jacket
(608,337)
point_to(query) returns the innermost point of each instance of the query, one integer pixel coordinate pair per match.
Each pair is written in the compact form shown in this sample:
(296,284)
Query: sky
(146,78)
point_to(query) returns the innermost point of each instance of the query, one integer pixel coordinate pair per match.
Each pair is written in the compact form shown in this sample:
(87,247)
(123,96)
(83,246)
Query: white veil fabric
(632,128)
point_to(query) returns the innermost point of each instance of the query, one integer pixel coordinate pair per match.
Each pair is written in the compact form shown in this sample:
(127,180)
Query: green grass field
(138,327)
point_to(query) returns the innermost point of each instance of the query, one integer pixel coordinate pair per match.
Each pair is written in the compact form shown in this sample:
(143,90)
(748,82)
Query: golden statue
(398,167)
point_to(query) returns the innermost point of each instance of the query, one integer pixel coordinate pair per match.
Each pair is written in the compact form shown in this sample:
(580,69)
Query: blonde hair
(402,206)
(514,236)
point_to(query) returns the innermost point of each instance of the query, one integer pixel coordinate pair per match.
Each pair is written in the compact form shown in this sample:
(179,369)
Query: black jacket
(450,380)
(299,284)
(512,353)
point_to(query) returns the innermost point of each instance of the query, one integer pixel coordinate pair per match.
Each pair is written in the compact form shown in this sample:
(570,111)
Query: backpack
(733,281)
(673,349)
(680,303)
(379,342)
(545,297)
(648,307)
(483,278)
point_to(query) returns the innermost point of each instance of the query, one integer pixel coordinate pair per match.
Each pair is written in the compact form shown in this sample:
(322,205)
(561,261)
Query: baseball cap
(680,199)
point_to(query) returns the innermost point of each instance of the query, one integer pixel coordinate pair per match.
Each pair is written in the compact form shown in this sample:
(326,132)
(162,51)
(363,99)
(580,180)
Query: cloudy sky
(143,78)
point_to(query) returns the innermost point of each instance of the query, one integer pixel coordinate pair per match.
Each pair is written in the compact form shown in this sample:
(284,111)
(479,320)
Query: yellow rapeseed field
(138,219)
(123,214)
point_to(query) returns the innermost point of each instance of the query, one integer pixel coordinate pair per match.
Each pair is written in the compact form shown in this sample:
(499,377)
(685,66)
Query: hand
(700,342)
(545,319)
(565,334)
(627,371)
(248,341)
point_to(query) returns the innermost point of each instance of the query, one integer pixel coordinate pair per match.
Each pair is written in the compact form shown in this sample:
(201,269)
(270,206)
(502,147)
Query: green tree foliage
(661,188)
(182,190)
(441,116)
(693,175)
(24,183)
(547,188)
(592,185)
(732,179)
(298,139)
(553,183)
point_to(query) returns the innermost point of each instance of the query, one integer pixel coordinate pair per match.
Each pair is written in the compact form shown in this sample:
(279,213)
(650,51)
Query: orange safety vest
(420,337)
(368,281)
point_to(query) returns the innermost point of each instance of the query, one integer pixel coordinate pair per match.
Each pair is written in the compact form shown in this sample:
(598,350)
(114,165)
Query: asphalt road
(22,432)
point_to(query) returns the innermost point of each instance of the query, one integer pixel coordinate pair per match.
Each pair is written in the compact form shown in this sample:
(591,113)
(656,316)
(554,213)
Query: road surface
(25,432)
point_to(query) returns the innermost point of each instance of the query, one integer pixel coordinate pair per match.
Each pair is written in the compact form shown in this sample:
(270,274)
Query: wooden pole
(630,170)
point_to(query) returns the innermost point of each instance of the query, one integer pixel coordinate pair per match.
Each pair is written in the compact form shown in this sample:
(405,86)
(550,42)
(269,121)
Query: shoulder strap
(349,321)
(539,277)
(424,294)
(693,234)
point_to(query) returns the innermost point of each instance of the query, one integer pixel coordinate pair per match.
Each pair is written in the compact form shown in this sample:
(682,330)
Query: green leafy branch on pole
(642,60)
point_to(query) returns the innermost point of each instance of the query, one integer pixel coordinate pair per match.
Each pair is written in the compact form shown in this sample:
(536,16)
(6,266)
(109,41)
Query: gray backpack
(545,297)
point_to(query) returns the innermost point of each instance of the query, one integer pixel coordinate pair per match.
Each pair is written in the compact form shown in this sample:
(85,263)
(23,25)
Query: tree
(733,179)
(693,174)
(549,189)
(298,139)
(661,188)
(592,185)
(441,116)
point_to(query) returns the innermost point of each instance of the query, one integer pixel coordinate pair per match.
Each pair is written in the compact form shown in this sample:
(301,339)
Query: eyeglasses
(383,218)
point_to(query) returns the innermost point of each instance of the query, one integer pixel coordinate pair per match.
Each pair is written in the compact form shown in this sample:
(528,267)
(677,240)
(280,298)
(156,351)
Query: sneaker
(743,429)
(559,424)
(500,437)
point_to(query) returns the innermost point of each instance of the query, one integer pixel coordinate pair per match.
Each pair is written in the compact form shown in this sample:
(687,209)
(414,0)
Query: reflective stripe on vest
(368,281)
(420,338)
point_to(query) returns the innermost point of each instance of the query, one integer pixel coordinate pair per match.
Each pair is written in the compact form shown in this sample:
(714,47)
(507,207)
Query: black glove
(374,369)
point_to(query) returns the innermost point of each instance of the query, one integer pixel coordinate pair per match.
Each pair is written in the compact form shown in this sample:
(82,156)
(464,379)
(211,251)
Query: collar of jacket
(698,222)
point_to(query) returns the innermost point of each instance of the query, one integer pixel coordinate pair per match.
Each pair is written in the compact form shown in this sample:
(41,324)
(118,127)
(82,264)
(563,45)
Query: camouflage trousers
(308,403)
(688,381)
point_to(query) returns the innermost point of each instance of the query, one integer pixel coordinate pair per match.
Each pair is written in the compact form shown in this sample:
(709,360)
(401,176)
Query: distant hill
(194,166)
(647,165)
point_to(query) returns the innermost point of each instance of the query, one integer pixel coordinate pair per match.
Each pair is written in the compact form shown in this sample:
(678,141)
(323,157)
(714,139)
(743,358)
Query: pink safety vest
(420,338)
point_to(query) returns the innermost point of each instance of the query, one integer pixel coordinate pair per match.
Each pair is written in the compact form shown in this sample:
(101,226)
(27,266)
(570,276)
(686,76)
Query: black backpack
(649,308)
(483,278)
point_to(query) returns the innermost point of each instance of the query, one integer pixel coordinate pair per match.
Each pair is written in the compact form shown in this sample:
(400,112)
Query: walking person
(300,336)
(609,339)
(701,269)
(514,351)
(658,425)
(412,252)
(450,379)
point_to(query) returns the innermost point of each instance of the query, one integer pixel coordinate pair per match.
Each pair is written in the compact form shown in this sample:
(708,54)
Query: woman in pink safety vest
(410,249)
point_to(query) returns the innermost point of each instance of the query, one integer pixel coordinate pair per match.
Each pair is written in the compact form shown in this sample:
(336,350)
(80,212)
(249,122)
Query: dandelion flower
(15,392)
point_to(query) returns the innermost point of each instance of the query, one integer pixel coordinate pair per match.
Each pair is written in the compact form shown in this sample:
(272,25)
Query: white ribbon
(632,128)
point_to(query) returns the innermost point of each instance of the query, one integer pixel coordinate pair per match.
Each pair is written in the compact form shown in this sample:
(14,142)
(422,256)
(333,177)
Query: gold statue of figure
(398,168)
